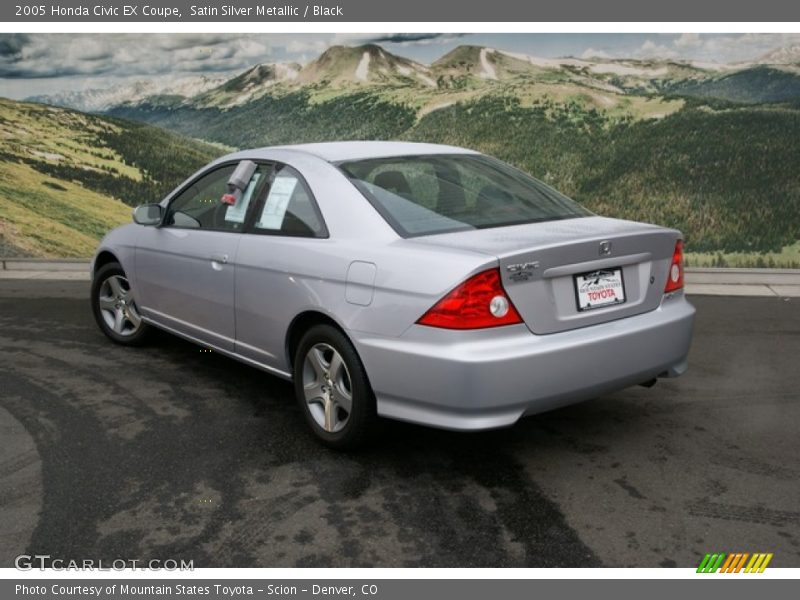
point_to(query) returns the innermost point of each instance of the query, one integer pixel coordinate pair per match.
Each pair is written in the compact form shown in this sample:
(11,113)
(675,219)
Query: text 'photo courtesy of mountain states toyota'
(419,282)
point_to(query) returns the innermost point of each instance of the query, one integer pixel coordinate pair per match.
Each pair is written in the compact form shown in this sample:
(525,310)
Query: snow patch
(618,69)
(100,99)
(710,66)
(545,63)
(593,65)
(789,55)
(362,70)
(427,80)
(285,71)
(488,68)
(403,70)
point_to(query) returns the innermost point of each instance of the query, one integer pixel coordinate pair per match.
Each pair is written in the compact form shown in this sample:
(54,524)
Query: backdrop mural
(699,132)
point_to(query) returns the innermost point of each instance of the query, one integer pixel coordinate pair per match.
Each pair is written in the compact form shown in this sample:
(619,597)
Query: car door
(284,246)
(185,269)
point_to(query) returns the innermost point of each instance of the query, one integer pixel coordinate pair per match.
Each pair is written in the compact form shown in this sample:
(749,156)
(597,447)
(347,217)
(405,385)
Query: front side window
(423,195)
(201,205)
(289,208)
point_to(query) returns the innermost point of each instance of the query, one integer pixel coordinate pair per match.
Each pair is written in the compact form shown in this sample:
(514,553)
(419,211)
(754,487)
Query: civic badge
(605,248)
(522,271)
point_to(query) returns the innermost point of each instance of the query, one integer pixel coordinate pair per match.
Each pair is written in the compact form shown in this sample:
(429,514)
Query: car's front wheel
(332,388)
(114,306)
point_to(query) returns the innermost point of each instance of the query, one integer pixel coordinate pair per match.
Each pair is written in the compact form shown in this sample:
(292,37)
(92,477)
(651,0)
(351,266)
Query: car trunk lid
(541,265)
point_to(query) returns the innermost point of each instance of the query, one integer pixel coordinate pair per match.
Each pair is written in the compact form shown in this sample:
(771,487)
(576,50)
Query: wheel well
(103,259)
(302,323)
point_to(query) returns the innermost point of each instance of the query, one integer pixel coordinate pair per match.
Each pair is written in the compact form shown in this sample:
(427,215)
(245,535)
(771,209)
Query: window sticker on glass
(280,193)
(237,212)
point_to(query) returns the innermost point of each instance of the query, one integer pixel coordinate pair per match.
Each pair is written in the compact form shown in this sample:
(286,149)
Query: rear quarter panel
(280,278)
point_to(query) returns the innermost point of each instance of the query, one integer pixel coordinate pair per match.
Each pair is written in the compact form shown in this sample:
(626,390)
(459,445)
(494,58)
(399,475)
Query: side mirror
(148,214)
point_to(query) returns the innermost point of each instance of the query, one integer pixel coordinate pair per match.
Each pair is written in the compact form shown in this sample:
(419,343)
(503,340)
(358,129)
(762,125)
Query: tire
(332,389)
(114,307)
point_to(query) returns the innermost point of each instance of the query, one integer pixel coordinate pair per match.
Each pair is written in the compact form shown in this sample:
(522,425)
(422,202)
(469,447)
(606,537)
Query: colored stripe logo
(739,562)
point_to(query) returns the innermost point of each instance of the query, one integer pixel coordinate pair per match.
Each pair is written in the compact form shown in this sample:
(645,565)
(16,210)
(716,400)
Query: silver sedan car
(420,282)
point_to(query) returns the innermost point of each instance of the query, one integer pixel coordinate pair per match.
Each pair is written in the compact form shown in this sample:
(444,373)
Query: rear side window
(422,195)
(289,208)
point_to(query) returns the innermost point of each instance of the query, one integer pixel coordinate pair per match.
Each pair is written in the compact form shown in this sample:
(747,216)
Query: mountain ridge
(464,67)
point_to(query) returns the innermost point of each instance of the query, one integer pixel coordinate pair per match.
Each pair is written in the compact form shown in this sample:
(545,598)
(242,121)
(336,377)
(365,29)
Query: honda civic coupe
(419,282)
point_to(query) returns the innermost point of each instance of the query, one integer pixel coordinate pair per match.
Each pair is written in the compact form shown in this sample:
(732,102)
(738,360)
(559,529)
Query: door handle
(219,258)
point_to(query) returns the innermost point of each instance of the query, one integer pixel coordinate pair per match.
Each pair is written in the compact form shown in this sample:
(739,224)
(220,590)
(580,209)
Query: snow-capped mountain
(338,66)
(251,84)
(464,67)
(788,55)
(367,64)
(99,100)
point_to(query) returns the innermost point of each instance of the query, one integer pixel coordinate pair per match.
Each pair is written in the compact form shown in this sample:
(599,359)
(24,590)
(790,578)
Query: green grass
(37,219)
(787,257)
(67,178)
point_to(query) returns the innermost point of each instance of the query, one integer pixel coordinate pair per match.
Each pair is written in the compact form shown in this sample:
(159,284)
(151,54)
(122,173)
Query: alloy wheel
(327,387)
(117,306)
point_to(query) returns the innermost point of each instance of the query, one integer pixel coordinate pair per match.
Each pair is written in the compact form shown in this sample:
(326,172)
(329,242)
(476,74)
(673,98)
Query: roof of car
(341,151)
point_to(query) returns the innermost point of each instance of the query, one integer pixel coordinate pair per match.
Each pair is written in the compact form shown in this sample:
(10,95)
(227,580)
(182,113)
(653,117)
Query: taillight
(675,276)
(477,303)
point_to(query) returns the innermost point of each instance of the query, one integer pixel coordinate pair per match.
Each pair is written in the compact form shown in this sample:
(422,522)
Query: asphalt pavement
(167,451)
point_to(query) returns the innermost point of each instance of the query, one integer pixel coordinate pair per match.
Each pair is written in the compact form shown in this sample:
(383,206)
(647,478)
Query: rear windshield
(423,195)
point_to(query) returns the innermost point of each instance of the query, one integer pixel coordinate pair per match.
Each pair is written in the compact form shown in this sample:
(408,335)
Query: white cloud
(688,40)
(405,39)
(592,53)
(123,55)
(650,49)
(152,55)
(303,46)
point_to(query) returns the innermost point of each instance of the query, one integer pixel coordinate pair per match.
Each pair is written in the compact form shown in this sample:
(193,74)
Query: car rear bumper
(472,380)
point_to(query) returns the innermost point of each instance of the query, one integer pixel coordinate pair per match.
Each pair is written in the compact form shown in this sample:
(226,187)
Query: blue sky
(32,64)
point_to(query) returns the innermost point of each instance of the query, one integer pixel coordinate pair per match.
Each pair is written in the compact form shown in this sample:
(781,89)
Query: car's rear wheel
(114,306)
(332,388)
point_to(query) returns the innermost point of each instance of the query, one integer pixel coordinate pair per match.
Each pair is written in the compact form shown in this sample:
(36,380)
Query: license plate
(600,288)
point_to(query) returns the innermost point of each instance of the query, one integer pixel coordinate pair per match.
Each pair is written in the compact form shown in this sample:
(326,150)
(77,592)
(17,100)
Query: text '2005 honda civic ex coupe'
(419,282)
